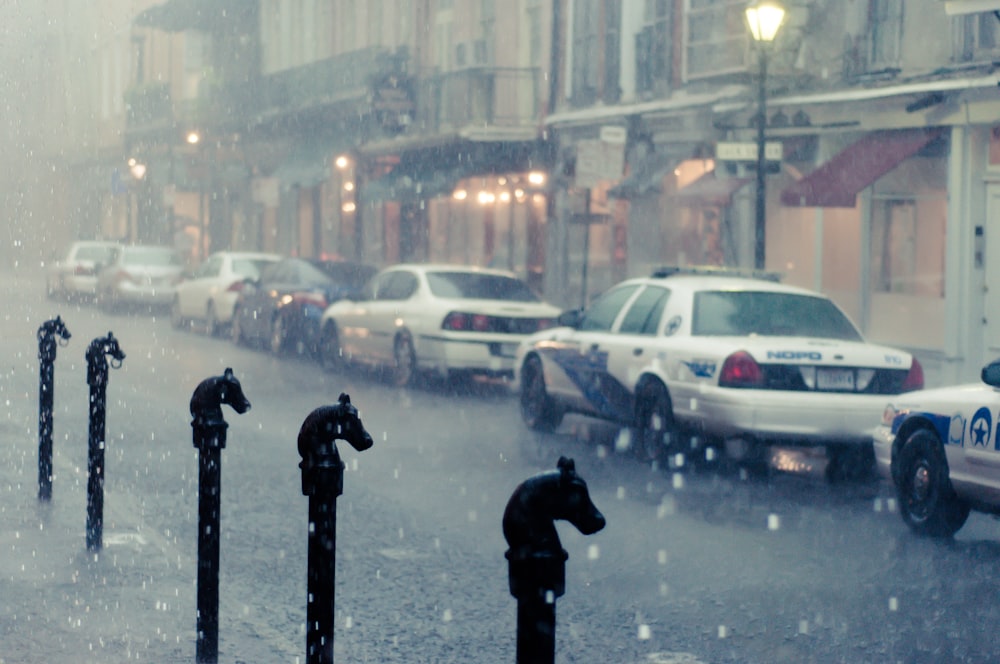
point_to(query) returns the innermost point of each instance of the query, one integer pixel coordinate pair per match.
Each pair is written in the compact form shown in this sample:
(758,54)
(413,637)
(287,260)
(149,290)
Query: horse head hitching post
(97,377)
(52,333)
(209,433)
(537,561)
(323,481)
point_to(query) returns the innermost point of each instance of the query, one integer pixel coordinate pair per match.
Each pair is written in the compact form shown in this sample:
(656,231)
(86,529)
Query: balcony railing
(327,81)
(479,97)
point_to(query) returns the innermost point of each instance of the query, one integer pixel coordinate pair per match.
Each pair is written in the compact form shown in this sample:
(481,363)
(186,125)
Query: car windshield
(250,267)
(744,313)
(354,275)
(155,256)
(479,286)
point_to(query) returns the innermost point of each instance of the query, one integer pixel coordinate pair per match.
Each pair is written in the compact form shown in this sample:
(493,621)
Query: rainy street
(692,567)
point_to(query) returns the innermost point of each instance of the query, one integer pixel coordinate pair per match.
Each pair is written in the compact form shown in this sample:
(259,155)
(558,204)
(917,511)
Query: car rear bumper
(135,294)
(788,418)
(492,356)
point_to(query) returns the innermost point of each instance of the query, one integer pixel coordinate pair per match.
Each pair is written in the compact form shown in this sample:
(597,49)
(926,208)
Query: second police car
(691,358)
(941,449)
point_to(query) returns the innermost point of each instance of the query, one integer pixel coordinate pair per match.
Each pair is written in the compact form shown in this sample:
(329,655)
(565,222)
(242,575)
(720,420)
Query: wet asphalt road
(692,567)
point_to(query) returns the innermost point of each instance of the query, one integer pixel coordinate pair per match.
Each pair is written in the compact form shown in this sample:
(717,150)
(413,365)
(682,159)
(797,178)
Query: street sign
(727,151)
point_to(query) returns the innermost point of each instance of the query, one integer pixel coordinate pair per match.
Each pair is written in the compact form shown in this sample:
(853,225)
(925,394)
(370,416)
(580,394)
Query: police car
(941,449)
(719,359)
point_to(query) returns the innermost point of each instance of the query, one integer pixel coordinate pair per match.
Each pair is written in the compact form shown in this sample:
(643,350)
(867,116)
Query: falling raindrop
(645,634)
(593,552)
(773,522)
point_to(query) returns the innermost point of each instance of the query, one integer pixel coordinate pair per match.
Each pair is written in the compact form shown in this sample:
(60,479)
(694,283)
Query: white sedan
(448,319)
(75,275)
(941,450)
(726,362)
(209,293)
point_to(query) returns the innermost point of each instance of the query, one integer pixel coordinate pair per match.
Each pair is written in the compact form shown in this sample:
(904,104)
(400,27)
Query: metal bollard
(209,434)
(52,333)
(323,481)
(97,377)
(536,559)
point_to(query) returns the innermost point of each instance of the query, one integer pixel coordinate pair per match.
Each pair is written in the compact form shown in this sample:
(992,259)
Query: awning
(646,175)
(710,190)
(838,182)
(310,164)
(180,15)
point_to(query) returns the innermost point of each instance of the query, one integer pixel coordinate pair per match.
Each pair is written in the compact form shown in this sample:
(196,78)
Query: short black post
(323,481)
(209,435)
(97,377)
(536,559)
(52,333)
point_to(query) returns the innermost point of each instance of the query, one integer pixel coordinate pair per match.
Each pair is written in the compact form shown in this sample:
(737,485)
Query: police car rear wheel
(927,501)
(656,437)
(538,410)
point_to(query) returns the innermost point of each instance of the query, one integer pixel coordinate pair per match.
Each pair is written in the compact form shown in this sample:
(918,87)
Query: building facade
(576,142)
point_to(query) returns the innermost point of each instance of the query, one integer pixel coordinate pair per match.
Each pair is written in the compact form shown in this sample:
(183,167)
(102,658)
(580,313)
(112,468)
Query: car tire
(927,501)
(655,436)
(211,321)
(278,340)
(329,349)
(404,371)
(176,318)
(538,411)
(236,329)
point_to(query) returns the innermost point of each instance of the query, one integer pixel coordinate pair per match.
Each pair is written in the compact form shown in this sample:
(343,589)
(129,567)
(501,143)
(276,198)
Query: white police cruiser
(715,358)
(941,449)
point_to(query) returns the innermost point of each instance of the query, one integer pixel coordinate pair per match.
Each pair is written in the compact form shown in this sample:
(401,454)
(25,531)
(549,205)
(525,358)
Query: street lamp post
(764,18)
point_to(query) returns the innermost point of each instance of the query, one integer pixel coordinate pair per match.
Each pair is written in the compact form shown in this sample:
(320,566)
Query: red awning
(838,182)
(710,190)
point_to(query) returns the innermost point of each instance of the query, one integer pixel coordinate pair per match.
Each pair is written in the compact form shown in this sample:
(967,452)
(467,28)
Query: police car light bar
(716,271)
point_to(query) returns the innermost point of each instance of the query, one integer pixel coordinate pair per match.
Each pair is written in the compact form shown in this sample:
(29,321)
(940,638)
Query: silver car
(139,275)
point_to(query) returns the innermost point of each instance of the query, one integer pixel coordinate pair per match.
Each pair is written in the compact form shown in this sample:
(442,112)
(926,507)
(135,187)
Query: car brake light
(236,287)
(314,299)
(914,378)
(480,323)
(741,370)
(455,321)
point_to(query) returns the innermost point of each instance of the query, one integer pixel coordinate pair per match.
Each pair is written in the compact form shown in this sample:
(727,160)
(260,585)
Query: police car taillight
(914,379)
(741,370)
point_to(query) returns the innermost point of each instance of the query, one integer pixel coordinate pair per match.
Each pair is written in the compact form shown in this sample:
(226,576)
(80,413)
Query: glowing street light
(764,18)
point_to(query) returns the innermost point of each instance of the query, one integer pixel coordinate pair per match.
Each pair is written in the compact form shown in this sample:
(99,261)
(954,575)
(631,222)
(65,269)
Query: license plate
(835,379)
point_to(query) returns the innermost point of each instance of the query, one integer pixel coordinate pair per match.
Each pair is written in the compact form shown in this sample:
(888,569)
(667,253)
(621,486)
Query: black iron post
(209,435)
(760,217)
(97,377)
(323,481)
(51,334)
(536,559)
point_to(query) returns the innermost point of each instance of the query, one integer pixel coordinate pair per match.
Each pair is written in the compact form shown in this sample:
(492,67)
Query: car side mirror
(991,374)
(570,318)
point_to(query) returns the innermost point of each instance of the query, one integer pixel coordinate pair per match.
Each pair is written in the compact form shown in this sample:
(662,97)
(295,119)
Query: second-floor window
(978,37)
(715,38)
(596,46)
(885,31)
(651,48)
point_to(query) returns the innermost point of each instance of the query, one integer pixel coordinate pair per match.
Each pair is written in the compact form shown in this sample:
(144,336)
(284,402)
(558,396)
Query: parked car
(139,275)
(75,274)
(451,319)
(940,449)
(209,293)
(282,308)
(726,361)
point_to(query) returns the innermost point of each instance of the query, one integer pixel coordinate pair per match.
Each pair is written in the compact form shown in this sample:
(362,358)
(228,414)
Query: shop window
(885,31)
(651,49)
(907,249)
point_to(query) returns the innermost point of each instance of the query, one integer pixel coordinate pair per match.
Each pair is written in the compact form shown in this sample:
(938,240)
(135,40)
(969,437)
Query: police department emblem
(980,427)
